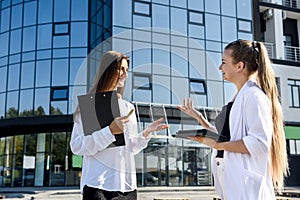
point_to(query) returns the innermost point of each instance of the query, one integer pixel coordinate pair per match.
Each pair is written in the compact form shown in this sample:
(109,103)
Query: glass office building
(175,48)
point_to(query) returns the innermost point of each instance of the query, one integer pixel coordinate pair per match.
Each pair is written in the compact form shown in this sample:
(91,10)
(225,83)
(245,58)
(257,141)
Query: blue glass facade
(175,50)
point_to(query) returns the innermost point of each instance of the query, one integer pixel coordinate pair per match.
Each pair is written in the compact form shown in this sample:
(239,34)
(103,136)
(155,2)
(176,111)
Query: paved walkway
(144,193)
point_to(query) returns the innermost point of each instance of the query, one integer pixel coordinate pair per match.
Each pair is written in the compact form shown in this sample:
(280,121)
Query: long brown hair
(107,75)
(256,59)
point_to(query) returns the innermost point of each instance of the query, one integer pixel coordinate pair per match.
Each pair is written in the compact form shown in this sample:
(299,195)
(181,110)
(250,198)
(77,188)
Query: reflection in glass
(29,160)
(5,19)
(58,166)
(58,108)
(13,77)
(45,11)
(3,78)
(15,41)
(228,8)
(179,15)
(79,34)
(30,13)
(229,29)
(212,6)
(61,10)
(43,73)
(60,72)
(27,75)
(26,103)
(44,36)
(12,104)
(16,16)
(179,61)
(213,27)
(244,9)
(4,44)
(161,89)
(159,13)
(41,101)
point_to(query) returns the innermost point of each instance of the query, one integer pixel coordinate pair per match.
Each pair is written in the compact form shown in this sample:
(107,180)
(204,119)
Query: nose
(220,67)
(124,74)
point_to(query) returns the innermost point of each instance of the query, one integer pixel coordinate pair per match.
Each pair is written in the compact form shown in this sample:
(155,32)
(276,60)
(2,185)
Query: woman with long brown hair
(254,159)
(109,173)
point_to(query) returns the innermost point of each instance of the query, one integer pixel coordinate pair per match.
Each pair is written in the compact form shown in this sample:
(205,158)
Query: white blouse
(110,169)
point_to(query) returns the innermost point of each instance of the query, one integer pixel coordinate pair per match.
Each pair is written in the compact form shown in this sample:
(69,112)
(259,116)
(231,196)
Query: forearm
(237,146)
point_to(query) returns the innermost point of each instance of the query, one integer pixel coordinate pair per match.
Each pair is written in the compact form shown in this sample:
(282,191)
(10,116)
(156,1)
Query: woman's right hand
(189,109)
(118,125)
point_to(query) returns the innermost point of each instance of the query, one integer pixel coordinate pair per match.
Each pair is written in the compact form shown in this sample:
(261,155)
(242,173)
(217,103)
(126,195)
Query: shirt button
(218,163)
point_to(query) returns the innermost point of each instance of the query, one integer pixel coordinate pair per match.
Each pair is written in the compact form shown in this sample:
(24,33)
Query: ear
(240,66)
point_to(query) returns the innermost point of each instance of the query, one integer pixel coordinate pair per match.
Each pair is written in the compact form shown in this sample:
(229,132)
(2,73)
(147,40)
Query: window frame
(201,81)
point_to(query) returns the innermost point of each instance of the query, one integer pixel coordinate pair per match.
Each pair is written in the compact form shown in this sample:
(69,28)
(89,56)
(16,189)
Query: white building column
(40,159)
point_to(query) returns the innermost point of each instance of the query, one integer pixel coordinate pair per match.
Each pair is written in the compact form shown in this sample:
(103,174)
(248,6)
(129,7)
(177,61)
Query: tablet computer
(98,111)
(185,134)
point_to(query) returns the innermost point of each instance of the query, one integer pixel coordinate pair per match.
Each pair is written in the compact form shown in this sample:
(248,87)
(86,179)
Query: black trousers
(90,193)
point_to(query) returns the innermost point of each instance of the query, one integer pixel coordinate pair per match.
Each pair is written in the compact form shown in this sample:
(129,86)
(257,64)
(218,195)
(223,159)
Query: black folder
(98,111)
(185,134)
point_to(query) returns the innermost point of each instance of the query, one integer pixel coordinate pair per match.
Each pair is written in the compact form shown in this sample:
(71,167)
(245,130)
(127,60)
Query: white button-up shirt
(111,169)
(248,176)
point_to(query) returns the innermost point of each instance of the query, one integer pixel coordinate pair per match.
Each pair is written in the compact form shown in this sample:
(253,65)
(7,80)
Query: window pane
(43,54)
(244,9)
(45,11)
(4,44)
(197,87)
(178,3)
(29,38)
(228,8)
(79,34)
(161,89)
(61,10)
(142,8)
(141,81)
(5,18)
(141,58)
(44,36)
(78,72)
(41,101)
(159,13)
(229,29)
(292,146)
(13,77)
(30,13)
(26,103)
(195,17)
(15,41)
(245,26)
(179,62)
(60,72)
(122,13)
(60,53)
(58,108)
(179,15)
(161,59)
(297,146)
(43,73)
(2,105)
(142,95)
(27,75)
(212,6)
(196,5)
(296,96)
(141,21)
(3,78)
(197,69)
(179,90)
(61,41)
(59,93)
(12,104)
(16,16)
(79,10)
(61,28)
(213,27)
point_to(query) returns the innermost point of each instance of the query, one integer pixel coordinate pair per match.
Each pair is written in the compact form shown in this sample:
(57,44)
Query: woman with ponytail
(253,163)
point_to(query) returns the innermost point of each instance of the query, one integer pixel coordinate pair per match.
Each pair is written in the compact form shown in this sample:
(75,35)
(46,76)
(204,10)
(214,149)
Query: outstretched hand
(204,140)
(189,109)
(155,126)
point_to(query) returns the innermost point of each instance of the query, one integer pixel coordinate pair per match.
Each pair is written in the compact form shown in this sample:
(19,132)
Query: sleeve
(139,142)
(258,121)
(91,144)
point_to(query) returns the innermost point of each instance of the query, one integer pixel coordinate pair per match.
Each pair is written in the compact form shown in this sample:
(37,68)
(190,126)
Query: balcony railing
(291,3)
(292,53)
(271,49)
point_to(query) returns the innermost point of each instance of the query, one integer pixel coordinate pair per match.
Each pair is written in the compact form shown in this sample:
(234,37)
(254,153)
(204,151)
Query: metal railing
(291,3)
(292,53)
(271,49)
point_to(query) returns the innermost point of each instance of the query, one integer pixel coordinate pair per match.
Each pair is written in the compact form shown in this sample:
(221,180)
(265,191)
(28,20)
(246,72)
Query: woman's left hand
(204,140)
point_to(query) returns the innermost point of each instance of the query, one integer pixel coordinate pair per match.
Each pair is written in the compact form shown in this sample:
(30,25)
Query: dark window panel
(197,86)
(142,8)
(196,18)
(61,28)
(59,93)
(142,81)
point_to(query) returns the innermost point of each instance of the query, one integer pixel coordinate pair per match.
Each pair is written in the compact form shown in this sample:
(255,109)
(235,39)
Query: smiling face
(228,68)
(123,73)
